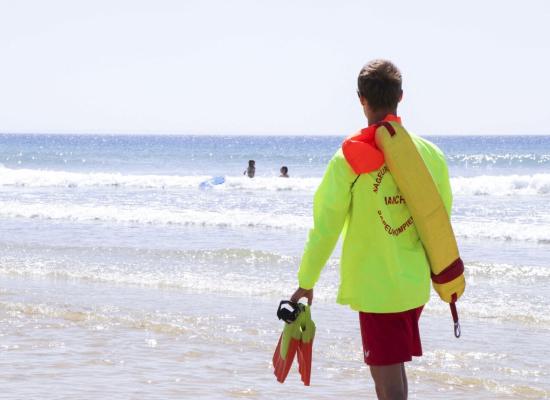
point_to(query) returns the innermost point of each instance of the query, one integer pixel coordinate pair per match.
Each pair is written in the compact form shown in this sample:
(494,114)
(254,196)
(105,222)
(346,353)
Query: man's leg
(390,381)
(405,383)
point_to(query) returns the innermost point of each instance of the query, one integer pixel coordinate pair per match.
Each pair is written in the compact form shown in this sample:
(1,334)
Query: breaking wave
(493,185)
(36,178)
(145,215)
(505,185)
(244,219)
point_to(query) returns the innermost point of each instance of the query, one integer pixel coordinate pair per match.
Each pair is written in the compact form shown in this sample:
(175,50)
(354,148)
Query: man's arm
(330,209)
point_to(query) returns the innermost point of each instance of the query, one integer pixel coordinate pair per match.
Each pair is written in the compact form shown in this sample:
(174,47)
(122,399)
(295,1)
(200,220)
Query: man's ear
(400,96)
(362,100)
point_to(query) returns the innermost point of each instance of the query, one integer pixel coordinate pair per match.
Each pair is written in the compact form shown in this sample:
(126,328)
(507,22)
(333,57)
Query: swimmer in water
(284,172)
(251,170)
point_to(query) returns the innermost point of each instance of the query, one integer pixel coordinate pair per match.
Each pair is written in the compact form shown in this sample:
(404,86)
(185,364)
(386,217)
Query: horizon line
(234,134)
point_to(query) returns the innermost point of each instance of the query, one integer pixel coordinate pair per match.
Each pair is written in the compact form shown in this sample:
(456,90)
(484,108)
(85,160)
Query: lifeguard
(385,271)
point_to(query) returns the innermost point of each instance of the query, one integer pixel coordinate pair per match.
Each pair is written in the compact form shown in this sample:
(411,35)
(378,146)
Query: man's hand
(299,293)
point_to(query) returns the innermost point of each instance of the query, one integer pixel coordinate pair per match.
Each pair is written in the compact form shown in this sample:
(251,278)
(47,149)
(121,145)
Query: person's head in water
(284,172)
(251,170)
(379,89)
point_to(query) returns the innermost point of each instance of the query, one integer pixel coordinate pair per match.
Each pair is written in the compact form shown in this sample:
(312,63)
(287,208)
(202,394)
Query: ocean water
(120,278)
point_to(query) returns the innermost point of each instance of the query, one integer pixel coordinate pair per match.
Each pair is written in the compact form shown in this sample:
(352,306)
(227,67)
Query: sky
(270,67)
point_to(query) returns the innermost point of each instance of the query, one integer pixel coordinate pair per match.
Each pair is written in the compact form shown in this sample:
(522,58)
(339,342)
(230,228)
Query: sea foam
(244,219)
(485,185)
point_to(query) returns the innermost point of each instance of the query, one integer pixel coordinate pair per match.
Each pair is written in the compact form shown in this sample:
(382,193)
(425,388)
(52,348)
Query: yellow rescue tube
(426,207)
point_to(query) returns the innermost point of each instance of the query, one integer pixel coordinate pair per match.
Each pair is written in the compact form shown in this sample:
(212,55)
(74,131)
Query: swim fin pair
(297,338)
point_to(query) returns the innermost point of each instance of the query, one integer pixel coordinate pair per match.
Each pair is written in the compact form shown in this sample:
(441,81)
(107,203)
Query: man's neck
(380,115)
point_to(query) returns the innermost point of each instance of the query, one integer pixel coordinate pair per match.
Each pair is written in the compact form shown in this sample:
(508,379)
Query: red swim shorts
(390,338)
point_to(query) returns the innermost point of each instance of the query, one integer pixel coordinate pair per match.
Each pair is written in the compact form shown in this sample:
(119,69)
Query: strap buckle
(457,329)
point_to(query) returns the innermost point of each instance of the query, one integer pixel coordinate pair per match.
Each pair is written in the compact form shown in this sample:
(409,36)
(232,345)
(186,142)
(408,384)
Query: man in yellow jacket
(384,271)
